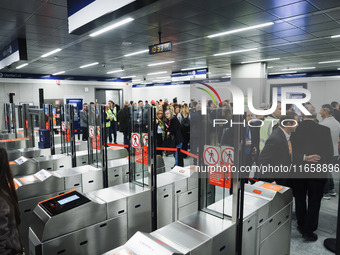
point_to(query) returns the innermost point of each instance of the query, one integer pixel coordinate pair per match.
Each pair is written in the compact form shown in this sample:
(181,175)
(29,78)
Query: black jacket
(123,119)
(311,138)
(275,153)
(9,234)
(175,129)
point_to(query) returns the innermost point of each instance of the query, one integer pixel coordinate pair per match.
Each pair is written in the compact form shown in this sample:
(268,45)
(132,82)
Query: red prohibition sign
(135,140)
(210,155)
(91,131)
(228,155)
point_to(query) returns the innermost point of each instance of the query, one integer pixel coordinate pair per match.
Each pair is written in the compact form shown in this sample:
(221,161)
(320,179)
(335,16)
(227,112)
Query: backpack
(185,122)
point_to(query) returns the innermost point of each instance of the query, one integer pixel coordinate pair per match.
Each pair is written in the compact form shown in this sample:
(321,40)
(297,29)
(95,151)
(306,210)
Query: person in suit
(312,144)
(278,149)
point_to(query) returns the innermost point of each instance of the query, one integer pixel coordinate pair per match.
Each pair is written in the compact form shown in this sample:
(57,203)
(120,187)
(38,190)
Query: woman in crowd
(184,119)
(173,128)
(9,210)
(160,130)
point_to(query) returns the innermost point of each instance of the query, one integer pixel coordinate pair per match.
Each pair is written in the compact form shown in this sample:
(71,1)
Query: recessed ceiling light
(241,30)
(128,77)
(50,53)
(21,66)
(115,71)
(61,72)
(332,61)
(260,60)
(92,64)
(162,63)
(233,52)
(270,67)
(194,68)
(335,36)
(157,73)
(282,73)
(113,26)
(136,53)
(298,68)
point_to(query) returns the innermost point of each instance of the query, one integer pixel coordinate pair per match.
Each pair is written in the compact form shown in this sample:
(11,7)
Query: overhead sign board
(13,52)
(159,48)
(199,74)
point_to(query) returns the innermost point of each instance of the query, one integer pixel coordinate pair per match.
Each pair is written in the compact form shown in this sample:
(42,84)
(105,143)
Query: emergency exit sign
(159,48)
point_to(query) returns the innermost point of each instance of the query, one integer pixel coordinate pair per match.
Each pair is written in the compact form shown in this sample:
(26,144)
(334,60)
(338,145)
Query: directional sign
(135,140)
(227,156)
(91,131)
(211,155)
(145,140)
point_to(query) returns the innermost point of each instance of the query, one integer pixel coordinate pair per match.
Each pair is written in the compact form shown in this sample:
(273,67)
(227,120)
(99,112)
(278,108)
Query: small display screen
(68,199)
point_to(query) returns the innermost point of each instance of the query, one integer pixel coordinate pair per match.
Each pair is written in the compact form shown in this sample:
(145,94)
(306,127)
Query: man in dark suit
(277,151)
(312,146)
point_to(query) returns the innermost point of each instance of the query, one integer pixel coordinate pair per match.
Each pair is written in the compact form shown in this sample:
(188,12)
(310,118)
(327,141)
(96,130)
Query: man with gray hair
(312,146)
(329,121)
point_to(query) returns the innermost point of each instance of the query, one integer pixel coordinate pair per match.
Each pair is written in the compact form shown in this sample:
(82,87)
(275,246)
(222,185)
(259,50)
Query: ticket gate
(266,228)
(23,166)
(172,187)
(94,220)
(45,184)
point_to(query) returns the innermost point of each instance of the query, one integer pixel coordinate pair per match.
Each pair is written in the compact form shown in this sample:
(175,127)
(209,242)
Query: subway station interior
(96,169)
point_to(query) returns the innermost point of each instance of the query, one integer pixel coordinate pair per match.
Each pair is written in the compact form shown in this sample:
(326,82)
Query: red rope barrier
(189,154)
(166,149)
(119,145)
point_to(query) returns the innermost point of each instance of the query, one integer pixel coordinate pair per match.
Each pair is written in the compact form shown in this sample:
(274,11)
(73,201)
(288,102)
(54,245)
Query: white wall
(27,90)
(182,92)
(324,90)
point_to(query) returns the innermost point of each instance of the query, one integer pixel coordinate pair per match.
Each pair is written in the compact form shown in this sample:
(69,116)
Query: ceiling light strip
(113,26)
(241,30)
(299,68)
(88,65)
(51,53)
(61,72)
(157,73)
(128,77)
(234,52)
(327,62)
(260,60)
(194,68)
(115,71)
(136,53)
(282,73)
(21,66)
(162,63)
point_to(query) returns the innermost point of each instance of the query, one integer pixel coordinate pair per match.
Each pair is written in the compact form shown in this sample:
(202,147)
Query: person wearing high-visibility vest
(113,124)
(108,118)
(270,122)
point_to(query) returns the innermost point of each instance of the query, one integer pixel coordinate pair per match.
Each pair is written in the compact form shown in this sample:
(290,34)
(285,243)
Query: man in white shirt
(329,121)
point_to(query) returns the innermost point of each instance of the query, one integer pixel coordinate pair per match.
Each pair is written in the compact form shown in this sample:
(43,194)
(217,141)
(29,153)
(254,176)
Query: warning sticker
(135,140)
(211,155)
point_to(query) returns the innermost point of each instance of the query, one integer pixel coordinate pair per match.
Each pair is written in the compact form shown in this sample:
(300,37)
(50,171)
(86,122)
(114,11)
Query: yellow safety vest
(108,116)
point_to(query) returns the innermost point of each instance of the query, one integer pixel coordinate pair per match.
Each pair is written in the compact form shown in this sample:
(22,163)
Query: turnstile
(266,228)
(138,211)
(92,220)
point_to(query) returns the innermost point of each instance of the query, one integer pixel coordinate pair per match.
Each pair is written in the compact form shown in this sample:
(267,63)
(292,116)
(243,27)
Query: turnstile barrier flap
(184,239)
